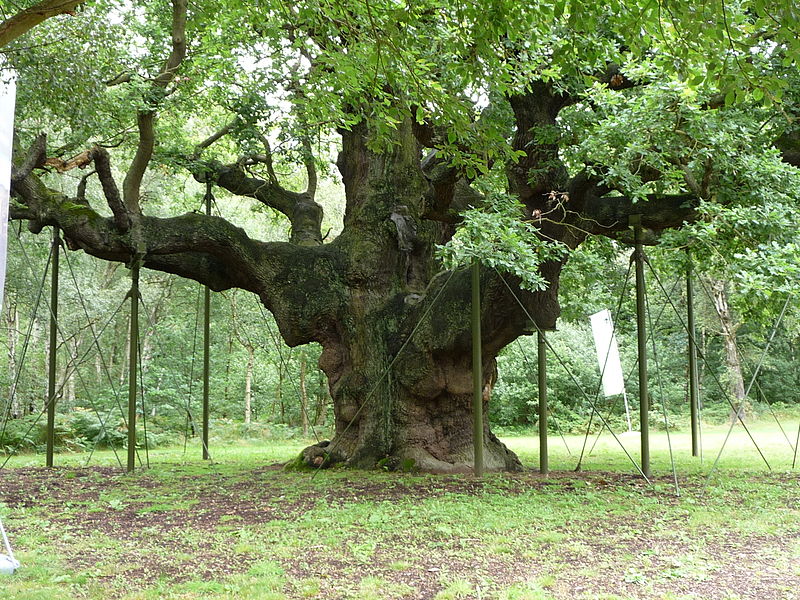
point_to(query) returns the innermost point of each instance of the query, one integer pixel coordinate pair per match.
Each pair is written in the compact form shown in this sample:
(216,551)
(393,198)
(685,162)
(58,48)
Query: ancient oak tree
(495,131)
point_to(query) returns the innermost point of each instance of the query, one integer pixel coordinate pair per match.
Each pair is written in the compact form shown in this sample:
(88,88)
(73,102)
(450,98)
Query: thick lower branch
(207,249)
(608,215)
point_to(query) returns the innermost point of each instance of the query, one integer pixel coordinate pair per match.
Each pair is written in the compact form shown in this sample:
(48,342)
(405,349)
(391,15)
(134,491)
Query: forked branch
(131,186)
(102,164)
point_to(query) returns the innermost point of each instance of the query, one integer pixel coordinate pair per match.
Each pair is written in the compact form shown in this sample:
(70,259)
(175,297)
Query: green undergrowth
(242,527)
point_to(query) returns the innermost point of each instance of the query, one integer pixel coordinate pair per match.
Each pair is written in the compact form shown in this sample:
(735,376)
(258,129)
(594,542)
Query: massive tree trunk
(397,351)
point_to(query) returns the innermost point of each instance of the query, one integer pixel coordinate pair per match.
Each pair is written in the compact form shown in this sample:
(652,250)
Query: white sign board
(8,92)
(607,353)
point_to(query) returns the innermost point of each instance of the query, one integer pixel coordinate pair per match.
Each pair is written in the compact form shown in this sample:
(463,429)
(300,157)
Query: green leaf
(730,97)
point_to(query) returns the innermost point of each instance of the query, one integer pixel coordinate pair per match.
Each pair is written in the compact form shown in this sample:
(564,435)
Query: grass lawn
(241,527)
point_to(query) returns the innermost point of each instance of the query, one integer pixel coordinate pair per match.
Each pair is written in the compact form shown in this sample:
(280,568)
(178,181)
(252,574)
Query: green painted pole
(694,385)
(641,328)
(51,366)
(544,466)
(133,356)
(477,371)
(206,368)
(206,348)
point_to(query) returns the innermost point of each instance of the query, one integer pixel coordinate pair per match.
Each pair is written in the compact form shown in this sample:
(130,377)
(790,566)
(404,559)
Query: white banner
(607,353)
(8,92)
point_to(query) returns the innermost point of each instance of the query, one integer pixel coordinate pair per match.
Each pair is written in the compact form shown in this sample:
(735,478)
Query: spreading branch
(25,20)
(102,163)
(124,77)
(304,214)
(131,186)
(214,137)
(35,157)
(204,248)
(267,160)
(81,191)
(449,193)
(78,161)
(539,170)
(311,167)
(609,215)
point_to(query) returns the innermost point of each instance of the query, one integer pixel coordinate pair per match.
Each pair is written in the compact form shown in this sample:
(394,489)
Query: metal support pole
(694,386)
(477,371)
(206,347)
(134,363)
(544,467)
(641,328)
(51,366)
